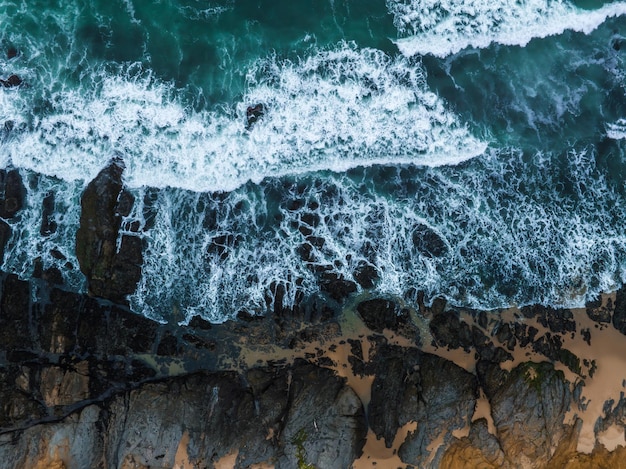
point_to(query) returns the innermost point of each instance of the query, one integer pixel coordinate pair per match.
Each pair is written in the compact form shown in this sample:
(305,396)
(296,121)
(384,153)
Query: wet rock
(168,346)
(366,275)
(15,330)
(449,331)
(411,386)
(48,220)
(12,193)
(38,445)
(12,81)
(112,271)
(557,320)
(479,449)
(528,406)
(619,314)
(326,415)
(599,313)
(253,114)
(427,242)
(446,403)
(504,333)
(380,314)
(5,234)
(336,286)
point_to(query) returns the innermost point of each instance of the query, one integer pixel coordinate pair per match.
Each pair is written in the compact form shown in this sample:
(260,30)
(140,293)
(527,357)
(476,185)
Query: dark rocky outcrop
(411,386)
(87,383)
(427,242)
(619,313)
(380,314)
(12,194)
(111,263)
(528,407)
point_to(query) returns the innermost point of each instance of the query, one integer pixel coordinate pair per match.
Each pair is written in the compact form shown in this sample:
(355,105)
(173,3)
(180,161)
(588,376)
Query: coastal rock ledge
(88,384)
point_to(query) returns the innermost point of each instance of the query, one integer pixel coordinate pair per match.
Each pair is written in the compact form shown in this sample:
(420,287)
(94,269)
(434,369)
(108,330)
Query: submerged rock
(12,81)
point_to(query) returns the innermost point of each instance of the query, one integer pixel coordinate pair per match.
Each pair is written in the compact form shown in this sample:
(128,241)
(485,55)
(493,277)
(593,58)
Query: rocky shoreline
(368,382)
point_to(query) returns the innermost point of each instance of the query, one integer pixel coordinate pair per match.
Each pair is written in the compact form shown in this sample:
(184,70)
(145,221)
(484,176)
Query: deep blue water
(464,148)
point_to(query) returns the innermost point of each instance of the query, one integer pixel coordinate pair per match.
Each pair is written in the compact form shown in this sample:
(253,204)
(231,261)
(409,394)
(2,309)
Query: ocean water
(469,149)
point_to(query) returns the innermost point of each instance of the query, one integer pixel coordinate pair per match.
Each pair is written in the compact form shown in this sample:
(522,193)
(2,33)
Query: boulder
(325,425)
(412,386)
(12,193)
(111,263)
(528,406)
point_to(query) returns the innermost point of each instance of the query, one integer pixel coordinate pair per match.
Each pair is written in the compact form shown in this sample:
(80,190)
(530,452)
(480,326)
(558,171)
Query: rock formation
(87,383)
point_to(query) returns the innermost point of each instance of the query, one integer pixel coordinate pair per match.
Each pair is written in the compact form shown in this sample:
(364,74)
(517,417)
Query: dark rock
(253,114)
(598,313)
(366,275)
(311,219)
(5,234)
(11,52)
(413,386)
(449,331)
(504,334)
(57,324)
(111,273)
(12,81)
(427,242)
(48,221)
(557,320)
(12,193)
(447,401)
(198,323)
(336,286)
(619,314)
(528,406)
(488,444)
(379,314)
(15,332)
(168,346)
(550,345)
(326,415)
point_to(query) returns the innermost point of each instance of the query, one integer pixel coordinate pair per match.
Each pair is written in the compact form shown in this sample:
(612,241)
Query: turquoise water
(468,149)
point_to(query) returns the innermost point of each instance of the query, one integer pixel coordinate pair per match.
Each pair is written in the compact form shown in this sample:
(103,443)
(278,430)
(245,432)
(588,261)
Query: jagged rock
(427,242)
(599,313)
(411,386)
(379,314)
(5,234)
(479,449)
(12,81)
(446,403)
(76,442)
(112,272)
(619,313)
(202,418)
(528,407)
(15,332)
(366,275)
(326,415)
(557,320)
(449,331)
(336,286)
(12,193)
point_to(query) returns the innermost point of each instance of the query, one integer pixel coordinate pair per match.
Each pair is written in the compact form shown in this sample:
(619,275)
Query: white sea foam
(444,27)
(473,236)
(616,130)
(333,110)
